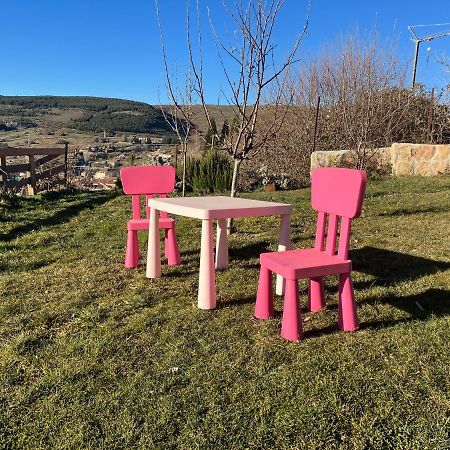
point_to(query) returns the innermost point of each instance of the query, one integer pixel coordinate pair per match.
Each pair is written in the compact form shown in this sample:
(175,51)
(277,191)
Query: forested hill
(93,114)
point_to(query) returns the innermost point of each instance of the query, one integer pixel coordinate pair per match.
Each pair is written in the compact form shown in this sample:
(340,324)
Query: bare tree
(444,60)
(365,103)
(363,84)
(251,69)
(180,113)
(179,118)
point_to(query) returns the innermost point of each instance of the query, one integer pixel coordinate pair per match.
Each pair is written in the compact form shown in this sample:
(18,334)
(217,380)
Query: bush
(209,175)
(365,104)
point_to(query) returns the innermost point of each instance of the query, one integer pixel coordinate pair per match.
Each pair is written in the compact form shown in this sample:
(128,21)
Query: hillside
(91,114)
(95,114)
(219,113)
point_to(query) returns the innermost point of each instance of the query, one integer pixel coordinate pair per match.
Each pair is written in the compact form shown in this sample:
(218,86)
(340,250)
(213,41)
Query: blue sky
(111,48)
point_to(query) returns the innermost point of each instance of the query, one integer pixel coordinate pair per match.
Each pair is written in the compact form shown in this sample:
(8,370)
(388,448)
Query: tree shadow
(390,267)
(414,211)
(61,216)
(422,306)
(248,251)
(244,252)
(182,272)
(235,301)
(432,302)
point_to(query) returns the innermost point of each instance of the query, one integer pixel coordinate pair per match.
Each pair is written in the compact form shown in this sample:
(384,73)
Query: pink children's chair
(339,194)
(148,181)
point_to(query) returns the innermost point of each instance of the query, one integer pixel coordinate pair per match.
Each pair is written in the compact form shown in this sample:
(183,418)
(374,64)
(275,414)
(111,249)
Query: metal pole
(316,123)
(416,56)
(430,119)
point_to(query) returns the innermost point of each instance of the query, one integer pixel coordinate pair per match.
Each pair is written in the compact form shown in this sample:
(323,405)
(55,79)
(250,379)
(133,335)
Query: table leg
(222,245)
(285,244)
(207,279)
(154,251)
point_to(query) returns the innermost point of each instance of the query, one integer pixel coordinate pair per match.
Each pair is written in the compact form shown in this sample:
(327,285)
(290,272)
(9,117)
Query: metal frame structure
(417,40)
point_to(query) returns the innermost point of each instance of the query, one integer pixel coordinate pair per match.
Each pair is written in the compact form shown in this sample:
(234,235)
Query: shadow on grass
(390,267)
(248,251)
(244,252)
(236,301)
(422,306)
(61,216)
(182,272)
(414,211)
(432,302)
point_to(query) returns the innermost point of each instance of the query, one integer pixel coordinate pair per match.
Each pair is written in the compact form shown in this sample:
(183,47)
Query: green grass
(96,356)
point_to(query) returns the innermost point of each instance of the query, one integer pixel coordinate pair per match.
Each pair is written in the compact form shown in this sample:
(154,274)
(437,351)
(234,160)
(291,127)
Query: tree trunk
(234,185)
(183,181)
(234,180)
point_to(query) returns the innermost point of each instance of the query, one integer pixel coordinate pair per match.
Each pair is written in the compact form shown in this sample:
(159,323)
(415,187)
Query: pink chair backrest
(338,193)
(147,180)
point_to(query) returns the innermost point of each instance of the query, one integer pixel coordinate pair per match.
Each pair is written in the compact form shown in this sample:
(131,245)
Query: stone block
(442,152)
(346,159)
(400,159)
(404,154)
(423,168)
(319,159)
(398,145)
(423,151)
(440,167)
(403,168)
(315,161)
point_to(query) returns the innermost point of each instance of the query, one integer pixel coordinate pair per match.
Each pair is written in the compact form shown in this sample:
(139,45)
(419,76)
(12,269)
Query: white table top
(218,207)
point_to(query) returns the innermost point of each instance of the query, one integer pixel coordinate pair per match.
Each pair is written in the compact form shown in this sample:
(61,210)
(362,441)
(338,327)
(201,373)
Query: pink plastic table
(208,209)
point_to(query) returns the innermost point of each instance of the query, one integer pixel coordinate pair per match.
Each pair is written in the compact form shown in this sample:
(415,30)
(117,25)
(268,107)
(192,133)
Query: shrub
(365,104)
(208,175)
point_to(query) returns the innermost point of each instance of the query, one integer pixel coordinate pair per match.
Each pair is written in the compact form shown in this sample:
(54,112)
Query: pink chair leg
(166,244)
(264,297)
(347,315)
(291,327)
(316,295)
(132,251)
(171,250)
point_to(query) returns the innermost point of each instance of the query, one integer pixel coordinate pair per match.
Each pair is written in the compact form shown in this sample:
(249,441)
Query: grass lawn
(96,356)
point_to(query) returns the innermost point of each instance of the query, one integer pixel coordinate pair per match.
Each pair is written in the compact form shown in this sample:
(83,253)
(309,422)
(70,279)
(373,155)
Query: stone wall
(399,159)
(420,159)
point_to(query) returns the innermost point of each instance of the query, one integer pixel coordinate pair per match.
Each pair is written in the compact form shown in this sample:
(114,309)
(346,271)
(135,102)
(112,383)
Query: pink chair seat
(304,263)
(142,224)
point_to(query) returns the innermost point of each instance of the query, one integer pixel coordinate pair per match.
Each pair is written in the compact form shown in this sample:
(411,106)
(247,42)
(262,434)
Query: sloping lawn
(96,356)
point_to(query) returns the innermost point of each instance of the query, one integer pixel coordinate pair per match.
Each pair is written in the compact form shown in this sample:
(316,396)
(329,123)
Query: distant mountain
(93,114)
